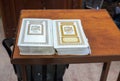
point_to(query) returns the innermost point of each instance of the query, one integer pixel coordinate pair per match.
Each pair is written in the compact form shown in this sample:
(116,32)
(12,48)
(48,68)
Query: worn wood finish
(105,70)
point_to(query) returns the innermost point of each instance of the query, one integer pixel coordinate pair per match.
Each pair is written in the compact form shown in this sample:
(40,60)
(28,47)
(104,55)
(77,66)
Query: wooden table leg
(118,79)
(24,76)
(105,70)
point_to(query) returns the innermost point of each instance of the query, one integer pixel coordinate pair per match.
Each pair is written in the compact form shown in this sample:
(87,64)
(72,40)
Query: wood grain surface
(103,36)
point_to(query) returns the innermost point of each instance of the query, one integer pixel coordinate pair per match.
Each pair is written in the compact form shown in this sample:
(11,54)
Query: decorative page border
(62,32)
(28,33)
(23,36)
(81,42)
(76,39)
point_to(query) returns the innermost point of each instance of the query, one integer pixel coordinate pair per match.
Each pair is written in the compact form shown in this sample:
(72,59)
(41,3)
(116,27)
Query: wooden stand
(102,34)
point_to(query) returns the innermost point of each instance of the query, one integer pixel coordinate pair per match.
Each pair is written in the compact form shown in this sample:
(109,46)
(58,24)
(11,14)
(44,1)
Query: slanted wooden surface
(103,36)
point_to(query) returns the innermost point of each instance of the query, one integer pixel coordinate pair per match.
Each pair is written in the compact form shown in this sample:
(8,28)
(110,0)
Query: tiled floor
(75,72)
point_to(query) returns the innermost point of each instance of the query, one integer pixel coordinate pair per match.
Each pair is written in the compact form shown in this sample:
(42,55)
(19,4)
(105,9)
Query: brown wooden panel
(26,4)
(76,4)
(11,10)
(8,17)
(58,4)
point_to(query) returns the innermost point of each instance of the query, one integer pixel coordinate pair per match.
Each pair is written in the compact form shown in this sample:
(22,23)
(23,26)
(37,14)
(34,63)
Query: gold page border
(58,35)
(62,32)
(70,42)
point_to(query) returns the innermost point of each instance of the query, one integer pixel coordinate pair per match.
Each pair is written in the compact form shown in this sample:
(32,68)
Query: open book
(44,36)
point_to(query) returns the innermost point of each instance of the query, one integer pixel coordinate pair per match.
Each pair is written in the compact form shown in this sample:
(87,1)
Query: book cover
(40,36)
